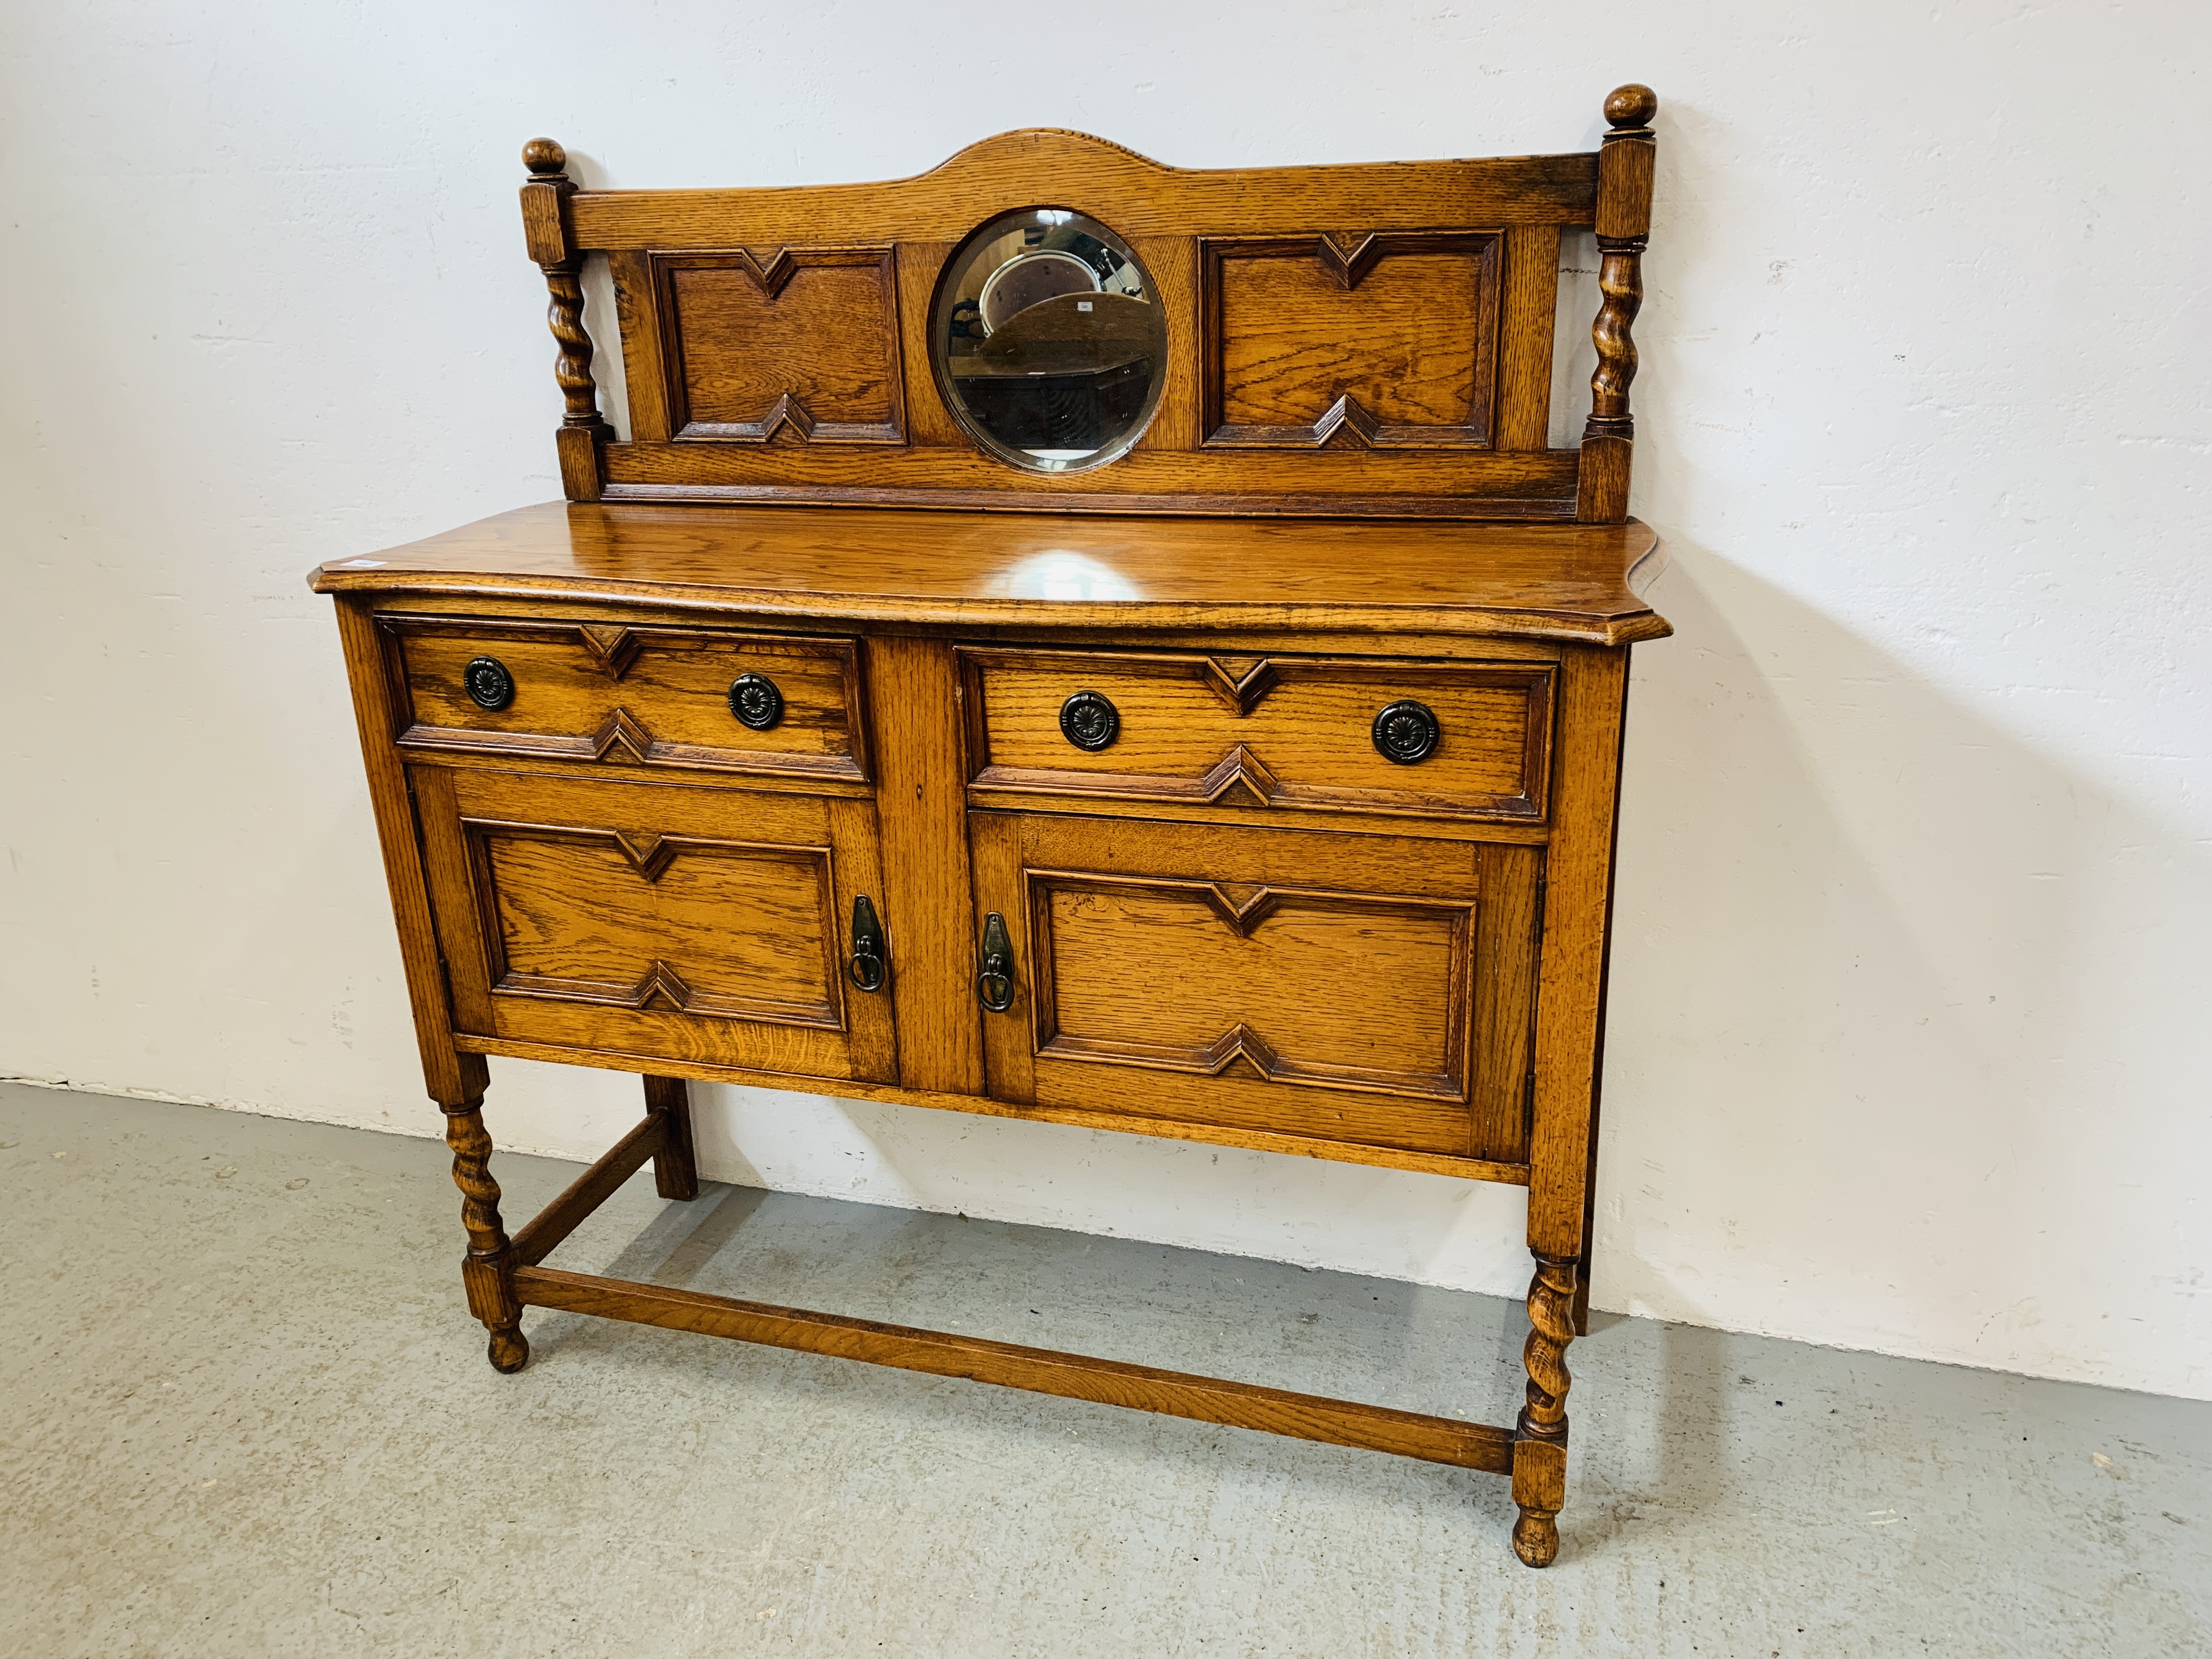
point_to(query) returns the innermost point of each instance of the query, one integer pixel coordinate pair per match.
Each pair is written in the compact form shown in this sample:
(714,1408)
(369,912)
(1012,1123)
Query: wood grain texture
(1333,481)
(1511,882)
(1229,920)
(913,688)
(1540,1437)
(572,363)
(1273,731)
(681,924)
(541,1235)
(849,564)
(1530,314)
(1340,308)
(1134,196)
(1598,1059)
(645,376)
(488,1269)
(1626,162)
(994,852)
(1247,980)
(1262,980)
(586,914)
(452,1077)
(1114,1122)
(1040,1370)
(1259,642)
(928,421)
(675,1164)
(548,233)
(1236,810)
(1391,342)
(449,868)
(1173,264)
(1571,977)
(646,696)
(545,202)
(804,347)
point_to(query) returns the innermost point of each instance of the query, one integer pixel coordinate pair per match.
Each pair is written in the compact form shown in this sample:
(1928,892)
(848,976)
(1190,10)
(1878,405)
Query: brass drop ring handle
(994,985)
(870,963)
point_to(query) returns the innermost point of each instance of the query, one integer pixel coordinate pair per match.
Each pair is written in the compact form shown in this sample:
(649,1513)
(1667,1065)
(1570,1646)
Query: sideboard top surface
(1570,582)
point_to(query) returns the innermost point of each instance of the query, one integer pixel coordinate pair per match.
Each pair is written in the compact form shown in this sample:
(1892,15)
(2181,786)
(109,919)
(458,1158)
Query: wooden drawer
(707,925)
(653,696)
(1373,989)
(1261,732)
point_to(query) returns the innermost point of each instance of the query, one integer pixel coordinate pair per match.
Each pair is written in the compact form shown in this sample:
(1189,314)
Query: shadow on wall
(1872,1077)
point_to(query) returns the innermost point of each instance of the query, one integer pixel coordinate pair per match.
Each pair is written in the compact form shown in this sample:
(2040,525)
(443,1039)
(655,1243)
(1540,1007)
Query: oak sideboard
(1138,662)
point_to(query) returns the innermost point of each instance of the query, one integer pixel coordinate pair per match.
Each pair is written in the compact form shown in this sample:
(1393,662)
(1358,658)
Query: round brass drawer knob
(1407,732)
(755,702)
(487,684)
(1088,722)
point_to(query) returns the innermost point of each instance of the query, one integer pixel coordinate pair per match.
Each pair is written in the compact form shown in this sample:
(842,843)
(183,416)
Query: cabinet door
(653,921)
(1372,989)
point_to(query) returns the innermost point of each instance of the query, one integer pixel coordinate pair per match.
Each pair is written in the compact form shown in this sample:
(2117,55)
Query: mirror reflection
(1049,342)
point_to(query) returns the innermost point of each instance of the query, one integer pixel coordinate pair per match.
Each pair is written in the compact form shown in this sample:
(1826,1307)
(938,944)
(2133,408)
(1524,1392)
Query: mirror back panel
(1362,339)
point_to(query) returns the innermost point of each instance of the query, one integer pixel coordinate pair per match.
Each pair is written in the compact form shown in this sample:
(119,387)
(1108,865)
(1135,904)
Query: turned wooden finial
(547,160)
(1623,224)
(550,238)
(1631,106)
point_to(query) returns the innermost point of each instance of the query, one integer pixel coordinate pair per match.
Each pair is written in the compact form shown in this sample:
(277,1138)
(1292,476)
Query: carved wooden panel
(1377,990)
(1389,341)
(1257,732)
(724,929)
(655,697)
(666,922)
(801,348)
(1319,318)
(1251,981)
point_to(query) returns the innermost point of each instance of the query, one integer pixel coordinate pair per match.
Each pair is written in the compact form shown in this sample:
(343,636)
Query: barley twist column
(1540,1449)
(487,1271)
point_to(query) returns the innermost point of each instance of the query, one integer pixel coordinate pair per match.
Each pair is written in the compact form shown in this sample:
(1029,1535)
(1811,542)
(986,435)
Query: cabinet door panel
(1281,982)
(704,925)
(752,925)
(1376,989)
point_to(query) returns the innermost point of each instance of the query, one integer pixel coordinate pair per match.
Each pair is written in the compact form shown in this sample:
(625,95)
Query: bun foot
(1536,1539)
(509,1351)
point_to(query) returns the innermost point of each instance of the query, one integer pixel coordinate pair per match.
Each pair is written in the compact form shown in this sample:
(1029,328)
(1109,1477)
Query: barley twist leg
(487,1271)
(1539,1447)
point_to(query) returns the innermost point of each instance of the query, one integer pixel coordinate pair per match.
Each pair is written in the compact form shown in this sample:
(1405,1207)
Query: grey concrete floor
(246,1413)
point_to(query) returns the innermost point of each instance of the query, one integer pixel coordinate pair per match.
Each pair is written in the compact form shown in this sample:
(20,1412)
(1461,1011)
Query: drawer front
(1377,990)
(708,925)
(650,696)
(1259,731)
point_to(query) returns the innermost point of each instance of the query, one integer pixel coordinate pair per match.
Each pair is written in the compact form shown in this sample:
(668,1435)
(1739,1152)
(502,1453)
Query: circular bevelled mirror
(1049,340)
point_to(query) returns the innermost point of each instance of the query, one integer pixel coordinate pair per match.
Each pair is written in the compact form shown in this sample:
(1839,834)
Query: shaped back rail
(1361,340)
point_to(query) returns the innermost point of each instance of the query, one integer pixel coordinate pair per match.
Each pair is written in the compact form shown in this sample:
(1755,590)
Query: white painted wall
(1916,883)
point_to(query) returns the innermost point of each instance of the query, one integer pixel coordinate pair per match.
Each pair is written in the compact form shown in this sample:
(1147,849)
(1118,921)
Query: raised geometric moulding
(1049,340)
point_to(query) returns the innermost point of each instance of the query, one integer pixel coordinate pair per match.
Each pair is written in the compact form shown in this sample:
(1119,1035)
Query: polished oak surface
(1570,582)
(1258,788)
(1287,731)
(656,697)
(1386,331)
